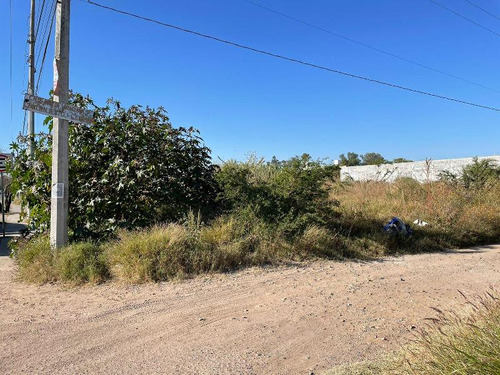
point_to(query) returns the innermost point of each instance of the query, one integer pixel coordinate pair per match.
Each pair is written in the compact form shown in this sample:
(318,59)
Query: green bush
(289,195)
(131,168)
(476,176)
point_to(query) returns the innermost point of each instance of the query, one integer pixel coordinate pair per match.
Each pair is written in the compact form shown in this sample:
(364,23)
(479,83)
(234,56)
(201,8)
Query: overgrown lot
(457,216)
(147,203)
(273,213)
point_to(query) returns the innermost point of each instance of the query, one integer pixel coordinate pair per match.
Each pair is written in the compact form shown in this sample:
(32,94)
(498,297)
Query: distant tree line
(370,158)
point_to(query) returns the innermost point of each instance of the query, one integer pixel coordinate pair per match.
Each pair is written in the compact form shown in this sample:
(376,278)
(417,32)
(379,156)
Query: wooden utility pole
(31,78)
(59,196)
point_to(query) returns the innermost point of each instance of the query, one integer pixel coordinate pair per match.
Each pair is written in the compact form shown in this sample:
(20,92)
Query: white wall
(421,171)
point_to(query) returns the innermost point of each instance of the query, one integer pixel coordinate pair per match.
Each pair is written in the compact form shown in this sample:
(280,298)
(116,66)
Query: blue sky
(243,102)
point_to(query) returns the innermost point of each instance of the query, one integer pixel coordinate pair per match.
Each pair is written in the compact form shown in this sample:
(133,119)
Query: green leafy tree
(130,168)
(351,160)
(373,158)
(31,178)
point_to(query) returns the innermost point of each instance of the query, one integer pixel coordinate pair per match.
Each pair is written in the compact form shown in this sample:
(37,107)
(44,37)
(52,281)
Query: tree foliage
(373,158)
(130,168)
(351,160)
(401,160)
(370,158)
(31,178)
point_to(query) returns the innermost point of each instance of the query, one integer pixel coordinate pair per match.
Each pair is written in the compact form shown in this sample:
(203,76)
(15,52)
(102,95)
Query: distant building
(422,171)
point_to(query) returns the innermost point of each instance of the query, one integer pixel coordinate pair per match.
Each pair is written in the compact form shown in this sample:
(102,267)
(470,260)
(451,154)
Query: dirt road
(290,320)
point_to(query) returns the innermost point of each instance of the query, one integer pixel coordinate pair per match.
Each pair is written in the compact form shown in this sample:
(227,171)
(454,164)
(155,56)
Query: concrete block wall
(421,171)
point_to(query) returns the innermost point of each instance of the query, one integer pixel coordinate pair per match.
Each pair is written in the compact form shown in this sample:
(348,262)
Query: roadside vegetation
(461,343)
(271,213)
(148,204)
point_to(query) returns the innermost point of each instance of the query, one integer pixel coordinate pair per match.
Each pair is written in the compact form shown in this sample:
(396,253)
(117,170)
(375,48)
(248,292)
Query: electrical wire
(46,47)
(39,19)
(48,20)
(484,10)
(465,18)
(271,54)
(368,46)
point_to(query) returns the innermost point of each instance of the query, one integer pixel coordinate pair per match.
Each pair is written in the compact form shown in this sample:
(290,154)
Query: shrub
(32,179)
(478,175)
(276,212)
(131,168)
(289,195)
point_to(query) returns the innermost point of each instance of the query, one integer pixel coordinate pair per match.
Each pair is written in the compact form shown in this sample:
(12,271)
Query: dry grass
(36,260)
(175,251)
(460,343)
(457,217)
(74,264)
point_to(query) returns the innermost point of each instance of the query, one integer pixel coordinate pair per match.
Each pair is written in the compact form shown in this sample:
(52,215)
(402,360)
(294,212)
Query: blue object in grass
(398,226)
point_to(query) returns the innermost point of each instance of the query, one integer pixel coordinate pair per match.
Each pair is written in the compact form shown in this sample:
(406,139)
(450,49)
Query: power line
(368,46)
(312,65)
(484,10)
(465,18)
(41,30)
(46,46)
(39,18)
(48,20)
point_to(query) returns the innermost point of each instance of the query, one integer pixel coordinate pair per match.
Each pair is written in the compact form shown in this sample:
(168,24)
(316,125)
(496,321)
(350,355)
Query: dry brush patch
(457,217)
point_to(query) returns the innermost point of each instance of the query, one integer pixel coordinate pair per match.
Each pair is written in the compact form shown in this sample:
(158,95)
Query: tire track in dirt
(287,320)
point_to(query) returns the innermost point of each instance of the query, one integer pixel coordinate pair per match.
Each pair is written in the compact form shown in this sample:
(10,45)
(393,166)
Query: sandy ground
(288,320)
